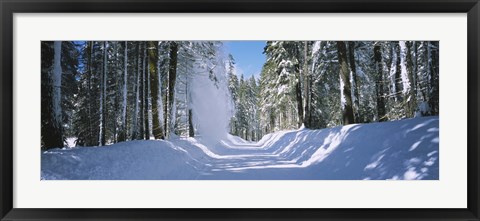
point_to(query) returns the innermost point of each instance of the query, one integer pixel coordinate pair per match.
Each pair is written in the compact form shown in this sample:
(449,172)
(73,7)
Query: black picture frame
(9,7)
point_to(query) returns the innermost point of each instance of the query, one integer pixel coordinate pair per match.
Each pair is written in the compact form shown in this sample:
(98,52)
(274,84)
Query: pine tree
(172,77)
(52,133)
(345,84)
(266,98)
(233,85)
(86,114)
(366,80)
(57,86)
(135,130)
(242,109)
(155,89)
(307,83)
(284,55)
(434,77)
(103,85)
(142,95)
(398,79)
(123,133)
(252,102)
(407,79)
(326,96)
(147,95)
(69,89)
(379,83)
(354,77)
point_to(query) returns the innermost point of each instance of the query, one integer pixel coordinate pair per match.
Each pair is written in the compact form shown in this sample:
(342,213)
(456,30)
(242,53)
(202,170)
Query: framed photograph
(261,110)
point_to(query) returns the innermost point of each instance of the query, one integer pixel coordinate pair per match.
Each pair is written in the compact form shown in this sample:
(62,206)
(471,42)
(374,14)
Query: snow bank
(404,149)
(134,160)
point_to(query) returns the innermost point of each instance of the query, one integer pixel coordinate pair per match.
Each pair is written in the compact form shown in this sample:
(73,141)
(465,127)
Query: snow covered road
(405,149)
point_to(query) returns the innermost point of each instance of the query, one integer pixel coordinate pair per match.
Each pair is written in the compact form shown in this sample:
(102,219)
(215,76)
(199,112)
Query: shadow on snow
(405,149)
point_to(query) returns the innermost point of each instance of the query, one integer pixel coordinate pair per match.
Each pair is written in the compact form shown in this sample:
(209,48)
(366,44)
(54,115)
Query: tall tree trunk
(391,63)
(434,79)
(135,133)
(346,95)
(306,76)
(142,95)
(272,120)
(298,93)
(412,99)
(311,108)
(122,134)
(421,88)
(379,82)
(117,75)
(57,133)
(191,132)
(172,76)
(103,86)
(155,89)
(147,101)
(415,67)
(351,59)
(398,78)
(90,139)
(93,140)
(165,105)
(427,81)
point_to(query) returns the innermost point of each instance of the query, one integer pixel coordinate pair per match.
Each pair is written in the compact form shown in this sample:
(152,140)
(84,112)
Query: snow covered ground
(404,149)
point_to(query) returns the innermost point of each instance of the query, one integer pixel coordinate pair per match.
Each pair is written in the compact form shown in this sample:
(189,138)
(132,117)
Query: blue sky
(248,55)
